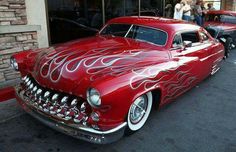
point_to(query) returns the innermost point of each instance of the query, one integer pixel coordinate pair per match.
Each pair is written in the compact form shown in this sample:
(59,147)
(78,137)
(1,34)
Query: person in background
(204,12)
(198,13)
(210,7)
(178,10)
(168,9)
(187,10)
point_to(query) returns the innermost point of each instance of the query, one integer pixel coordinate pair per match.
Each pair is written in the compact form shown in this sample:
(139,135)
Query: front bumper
(75,130)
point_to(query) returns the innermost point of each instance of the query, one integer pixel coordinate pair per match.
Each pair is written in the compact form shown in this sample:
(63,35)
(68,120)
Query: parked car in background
(100,88)
(222,26)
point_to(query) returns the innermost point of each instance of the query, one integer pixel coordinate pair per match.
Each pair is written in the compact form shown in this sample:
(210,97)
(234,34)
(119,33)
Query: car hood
(73,66)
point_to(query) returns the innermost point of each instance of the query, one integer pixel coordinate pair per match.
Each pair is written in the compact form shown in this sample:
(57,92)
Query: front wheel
(139,112)
(228,46)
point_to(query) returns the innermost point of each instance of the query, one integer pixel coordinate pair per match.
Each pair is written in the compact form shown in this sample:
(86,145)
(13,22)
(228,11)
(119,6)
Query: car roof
(168,25)
(222,12)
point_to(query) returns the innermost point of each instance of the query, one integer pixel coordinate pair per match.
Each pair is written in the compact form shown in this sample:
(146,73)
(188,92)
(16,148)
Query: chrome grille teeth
(27,80)
(74,102)
(35,89)
(40,107)
(28,83)
(84,120)
(31,89)
(59,110)
(64,107)
(51,108)
(46,94)
(53,112)
(31,86)
(75,109)
(60,115)
(40,100)
(64,100)
(55,97)
(24,78)
(55,104)
(46,110)
(67,113)
(83,107)
(36,104)
(45,104)
(78,118)
(39,92)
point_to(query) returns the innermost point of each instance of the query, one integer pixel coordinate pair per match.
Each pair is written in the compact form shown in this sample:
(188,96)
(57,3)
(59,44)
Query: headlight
(93,97)
(14,64)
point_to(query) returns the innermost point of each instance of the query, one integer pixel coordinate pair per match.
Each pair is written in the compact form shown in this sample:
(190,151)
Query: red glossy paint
(122,69)
(7,94)
(223,12)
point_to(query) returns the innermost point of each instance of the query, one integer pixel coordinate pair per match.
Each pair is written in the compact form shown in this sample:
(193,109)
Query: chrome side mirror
(188,44)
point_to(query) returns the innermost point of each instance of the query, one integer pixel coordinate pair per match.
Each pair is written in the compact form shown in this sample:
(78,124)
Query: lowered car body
(100,88)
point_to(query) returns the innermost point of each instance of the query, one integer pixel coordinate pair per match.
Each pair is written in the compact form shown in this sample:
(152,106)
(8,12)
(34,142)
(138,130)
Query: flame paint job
(122,69)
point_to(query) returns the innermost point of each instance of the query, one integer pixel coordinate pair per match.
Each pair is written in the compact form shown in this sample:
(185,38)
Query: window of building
(85,17)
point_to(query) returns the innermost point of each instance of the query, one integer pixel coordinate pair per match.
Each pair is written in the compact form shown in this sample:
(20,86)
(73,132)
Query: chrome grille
(54,103)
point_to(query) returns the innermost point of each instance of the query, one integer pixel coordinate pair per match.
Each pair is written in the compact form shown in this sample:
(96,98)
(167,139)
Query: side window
(203,36)
(177,41)
(190,36)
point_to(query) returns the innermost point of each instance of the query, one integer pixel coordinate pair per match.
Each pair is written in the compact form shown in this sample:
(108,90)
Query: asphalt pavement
(201,120)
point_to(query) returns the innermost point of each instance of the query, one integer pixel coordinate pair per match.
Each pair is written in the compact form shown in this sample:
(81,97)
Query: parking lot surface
(201,120)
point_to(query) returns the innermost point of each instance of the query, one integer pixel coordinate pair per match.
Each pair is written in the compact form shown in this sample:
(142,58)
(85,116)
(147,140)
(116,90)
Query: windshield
(136,32)
(221,18)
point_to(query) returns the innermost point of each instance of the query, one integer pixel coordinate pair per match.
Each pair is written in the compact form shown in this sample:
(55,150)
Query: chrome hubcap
(138,109)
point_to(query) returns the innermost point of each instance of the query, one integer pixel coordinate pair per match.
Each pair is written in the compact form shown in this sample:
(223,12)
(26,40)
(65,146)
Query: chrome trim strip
(128,30)
(104,132)
(203,59)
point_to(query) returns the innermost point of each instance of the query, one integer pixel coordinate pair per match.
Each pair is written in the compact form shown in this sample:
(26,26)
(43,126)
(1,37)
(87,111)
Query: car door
(187,52)
(192,47)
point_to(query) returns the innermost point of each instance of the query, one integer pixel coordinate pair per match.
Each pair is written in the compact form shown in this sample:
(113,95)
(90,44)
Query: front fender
(20,59)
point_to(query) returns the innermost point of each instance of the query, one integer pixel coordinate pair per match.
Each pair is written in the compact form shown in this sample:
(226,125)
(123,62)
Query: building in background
(215,3)
(23,26)
(228,5)
(81,18)
(29,24)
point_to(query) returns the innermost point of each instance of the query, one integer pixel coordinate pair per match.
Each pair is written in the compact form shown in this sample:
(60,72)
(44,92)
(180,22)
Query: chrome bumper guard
(74,130)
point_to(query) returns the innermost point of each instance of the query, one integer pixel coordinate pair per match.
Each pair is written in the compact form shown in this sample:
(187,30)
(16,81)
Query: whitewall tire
(139,112)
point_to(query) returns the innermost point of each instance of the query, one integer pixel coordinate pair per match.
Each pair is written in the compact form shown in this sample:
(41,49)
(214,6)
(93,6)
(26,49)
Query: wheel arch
(157,95)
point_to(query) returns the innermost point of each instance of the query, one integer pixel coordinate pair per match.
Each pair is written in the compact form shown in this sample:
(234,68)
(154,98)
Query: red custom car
(222,26)
(100,88)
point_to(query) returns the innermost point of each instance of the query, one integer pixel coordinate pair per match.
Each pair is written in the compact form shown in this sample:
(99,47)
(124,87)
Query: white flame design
(94,59)
(150,79)
(98,61)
